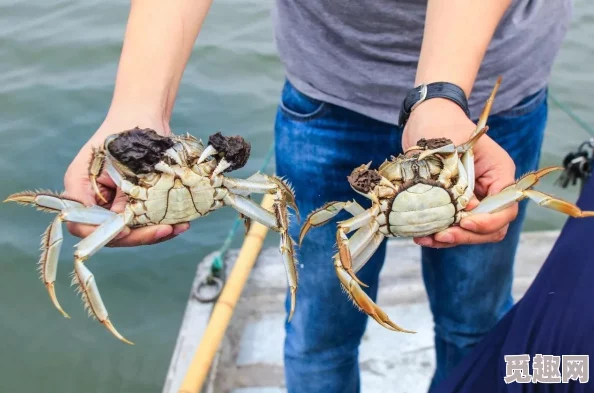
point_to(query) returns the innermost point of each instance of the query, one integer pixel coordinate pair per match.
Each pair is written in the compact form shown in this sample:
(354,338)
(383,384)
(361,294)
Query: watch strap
(424,92)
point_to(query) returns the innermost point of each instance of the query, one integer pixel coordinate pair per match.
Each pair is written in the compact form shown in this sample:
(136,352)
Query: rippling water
(57,68)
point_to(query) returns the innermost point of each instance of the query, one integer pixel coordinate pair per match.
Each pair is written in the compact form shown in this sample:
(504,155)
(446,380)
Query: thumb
(79,188)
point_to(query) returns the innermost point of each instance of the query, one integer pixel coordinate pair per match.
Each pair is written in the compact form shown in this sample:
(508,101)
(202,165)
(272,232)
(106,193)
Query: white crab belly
(171,202)
(420,210)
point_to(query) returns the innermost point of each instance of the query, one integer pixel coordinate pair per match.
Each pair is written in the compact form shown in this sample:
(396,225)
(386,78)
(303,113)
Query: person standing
(349,67)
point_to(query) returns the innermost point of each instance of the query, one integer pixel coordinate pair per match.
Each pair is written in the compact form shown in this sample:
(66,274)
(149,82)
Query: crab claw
(174,155)
(221,167)
(208,152)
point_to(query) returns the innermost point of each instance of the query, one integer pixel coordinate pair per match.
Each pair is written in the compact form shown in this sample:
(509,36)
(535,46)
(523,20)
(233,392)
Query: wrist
(123,118)
(425,93)
(437,118)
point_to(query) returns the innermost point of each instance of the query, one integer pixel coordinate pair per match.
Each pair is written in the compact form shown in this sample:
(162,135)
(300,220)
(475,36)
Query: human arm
(157,46)
(457,35)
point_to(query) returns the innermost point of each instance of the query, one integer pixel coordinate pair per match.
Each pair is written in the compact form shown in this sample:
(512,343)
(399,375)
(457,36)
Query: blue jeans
(469,287)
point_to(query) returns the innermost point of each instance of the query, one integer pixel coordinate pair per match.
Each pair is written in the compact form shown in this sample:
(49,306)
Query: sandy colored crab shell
(170,201)
(419,209)
(163,180)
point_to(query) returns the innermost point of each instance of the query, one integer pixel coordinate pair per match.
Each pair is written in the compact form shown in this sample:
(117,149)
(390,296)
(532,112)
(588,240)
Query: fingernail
(125,232)
(162,232)
(468,224)
(444,237)
(181,228)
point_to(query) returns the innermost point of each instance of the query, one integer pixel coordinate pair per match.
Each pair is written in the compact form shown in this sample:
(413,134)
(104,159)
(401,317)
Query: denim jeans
(469,287)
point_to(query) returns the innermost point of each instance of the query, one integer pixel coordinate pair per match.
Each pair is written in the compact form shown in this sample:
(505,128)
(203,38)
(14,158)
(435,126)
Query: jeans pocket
(526,105)
(299,106)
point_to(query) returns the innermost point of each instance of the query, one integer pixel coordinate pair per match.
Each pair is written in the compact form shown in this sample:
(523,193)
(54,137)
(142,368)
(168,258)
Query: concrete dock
(251,357)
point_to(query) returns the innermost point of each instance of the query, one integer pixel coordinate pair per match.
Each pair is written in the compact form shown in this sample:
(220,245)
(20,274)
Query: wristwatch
(425,92)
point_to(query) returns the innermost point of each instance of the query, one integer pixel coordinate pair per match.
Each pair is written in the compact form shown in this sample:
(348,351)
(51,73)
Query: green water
(58,62)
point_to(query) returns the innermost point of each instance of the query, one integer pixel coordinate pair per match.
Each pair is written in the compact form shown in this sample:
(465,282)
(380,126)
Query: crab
(419,193)
(168,180)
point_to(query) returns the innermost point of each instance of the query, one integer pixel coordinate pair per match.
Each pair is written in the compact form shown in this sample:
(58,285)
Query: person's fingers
(143,236)
(456,236)
(77,186)
(489,222)
(180,228)
(119,202)
(149,235)
(82,230)
(472,203)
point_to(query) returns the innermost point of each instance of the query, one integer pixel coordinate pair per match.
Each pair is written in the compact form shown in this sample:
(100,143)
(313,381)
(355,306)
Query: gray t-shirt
(363,54)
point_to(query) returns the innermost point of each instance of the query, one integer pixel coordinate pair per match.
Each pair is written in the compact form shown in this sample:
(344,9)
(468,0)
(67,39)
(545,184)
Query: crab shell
(417,196)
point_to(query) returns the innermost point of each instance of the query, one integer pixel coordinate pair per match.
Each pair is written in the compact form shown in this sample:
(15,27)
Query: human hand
(78,186)
(494,170)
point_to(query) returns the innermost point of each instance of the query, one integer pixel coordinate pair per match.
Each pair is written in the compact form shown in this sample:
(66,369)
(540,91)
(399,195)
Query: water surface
(57,72)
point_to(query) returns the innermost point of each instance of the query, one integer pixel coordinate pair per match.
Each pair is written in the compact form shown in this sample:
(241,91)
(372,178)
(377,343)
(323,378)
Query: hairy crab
(419,193)
(168,180)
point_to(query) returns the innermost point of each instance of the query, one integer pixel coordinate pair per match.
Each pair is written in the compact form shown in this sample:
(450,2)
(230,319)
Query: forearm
(457,34)
(157,45)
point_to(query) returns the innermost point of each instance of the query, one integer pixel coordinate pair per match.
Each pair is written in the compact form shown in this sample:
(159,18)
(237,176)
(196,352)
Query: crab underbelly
(179,203)
(420,210)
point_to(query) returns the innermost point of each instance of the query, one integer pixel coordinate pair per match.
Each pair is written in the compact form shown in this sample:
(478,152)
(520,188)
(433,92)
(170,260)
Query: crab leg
(362,300)
(84,279)
(463,200)
(51,243)
(86,286)
(462,191)
(327,212)
(342,241)
(52,238)
(451,148)
(110,225)
(366,253)
(361,238)
(279,222)
(128,187)
(480,130)
(241,186)
(251,209)
(482,122)
(95,169)
(359,297)
(356,245)
(468,164)
(469,144)
(44,200)
(102,235)
(521,190)
(262,184)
